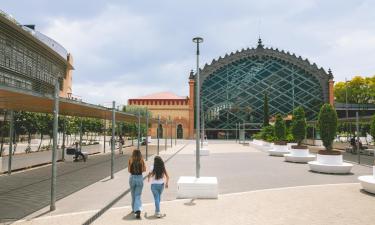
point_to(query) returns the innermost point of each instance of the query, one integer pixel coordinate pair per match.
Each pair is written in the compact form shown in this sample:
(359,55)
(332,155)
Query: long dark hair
(136,162)
(159,168)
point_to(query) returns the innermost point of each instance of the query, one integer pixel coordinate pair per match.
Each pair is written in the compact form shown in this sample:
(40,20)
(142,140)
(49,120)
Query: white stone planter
(278,150)
(299,156)
(330,164)
(192,187)
(203,151)
(1,164)
(290,145)
(368,182)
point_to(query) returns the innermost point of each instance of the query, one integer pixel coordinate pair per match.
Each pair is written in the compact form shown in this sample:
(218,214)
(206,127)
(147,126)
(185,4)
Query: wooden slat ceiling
(22,100)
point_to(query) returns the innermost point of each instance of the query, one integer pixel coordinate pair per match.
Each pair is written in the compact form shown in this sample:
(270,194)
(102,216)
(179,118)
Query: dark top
(136,168)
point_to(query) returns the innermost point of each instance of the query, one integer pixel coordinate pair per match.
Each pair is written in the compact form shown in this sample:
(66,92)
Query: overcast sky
(125,49)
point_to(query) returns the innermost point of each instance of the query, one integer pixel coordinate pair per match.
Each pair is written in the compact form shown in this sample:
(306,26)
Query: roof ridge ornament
(191,76)
(260,45)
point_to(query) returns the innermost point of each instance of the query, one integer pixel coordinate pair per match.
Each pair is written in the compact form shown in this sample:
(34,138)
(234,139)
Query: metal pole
(236,132)
(158,133)
(202,122)
(357,125)
(171,130)
(146,134)
(63,144)
(175,134)
(113,140)
(166,134)
(139,129)
(54,147)
(105,133)
(197,40)
(11,132)
(346,106)
(80,134)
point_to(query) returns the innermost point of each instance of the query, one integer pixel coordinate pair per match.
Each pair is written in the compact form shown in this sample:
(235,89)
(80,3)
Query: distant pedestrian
(136,166)
(160,178)
(78,153)
(121,142)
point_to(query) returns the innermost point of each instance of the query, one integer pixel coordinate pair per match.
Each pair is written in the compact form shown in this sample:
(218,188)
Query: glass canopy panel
(235,93)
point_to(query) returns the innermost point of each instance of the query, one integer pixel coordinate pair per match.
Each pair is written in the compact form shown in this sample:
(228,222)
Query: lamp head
(197,40)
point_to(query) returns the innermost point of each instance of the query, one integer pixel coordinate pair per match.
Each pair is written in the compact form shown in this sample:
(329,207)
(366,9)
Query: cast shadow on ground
(366,193)
(334,174)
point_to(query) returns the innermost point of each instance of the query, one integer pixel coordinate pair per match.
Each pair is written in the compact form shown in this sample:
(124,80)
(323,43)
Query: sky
(126,49)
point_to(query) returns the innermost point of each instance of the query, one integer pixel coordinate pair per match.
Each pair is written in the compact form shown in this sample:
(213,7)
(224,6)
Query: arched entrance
(160,131)
(180,132)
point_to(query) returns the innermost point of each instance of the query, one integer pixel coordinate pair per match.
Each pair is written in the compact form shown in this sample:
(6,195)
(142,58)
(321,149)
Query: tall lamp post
(197,40)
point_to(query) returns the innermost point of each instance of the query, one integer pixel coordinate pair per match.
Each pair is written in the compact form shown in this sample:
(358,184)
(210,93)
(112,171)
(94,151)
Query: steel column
(158,134)
(54,147)
(113,140)
(357,127)
(146,135)
(11,133)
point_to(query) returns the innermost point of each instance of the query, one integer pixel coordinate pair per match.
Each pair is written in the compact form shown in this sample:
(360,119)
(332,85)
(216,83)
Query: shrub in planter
(280,130)
(267,133)
(299,127)
(372,128)
(327,123)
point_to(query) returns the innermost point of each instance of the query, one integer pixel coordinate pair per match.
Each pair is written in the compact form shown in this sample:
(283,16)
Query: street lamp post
(197,40)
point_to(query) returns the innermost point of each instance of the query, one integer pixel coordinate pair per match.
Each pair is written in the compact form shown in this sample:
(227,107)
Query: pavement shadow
(129,216)
(190,203)
(367,193)
(335,174)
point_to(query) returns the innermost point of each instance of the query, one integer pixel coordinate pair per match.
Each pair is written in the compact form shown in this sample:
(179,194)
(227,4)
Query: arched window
(160,131)
(180,132)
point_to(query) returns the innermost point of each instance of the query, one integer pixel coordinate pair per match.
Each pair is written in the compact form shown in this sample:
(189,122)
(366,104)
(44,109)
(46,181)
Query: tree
(266,115)
(327,123)
(359,90)
(280,128)
(299,125)
(372,127)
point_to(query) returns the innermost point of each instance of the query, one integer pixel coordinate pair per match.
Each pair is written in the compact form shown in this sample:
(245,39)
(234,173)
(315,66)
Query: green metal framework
(232,88)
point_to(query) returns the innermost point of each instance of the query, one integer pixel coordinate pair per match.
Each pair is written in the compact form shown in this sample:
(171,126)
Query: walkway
(25,192)
(266,181)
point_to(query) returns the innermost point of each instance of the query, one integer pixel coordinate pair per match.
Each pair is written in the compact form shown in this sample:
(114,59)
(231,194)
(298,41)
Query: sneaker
(138,214)
(158,215)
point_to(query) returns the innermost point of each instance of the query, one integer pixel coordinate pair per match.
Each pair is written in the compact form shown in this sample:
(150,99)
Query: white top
(156,181)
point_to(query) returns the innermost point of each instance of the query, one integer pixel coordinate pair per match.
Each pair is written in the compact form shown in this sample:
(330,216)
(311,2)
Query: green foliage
(267,133)
(359,90)
(372,127)
(290,138)
(266,115)
(327,123)
(280,128)
(299,125)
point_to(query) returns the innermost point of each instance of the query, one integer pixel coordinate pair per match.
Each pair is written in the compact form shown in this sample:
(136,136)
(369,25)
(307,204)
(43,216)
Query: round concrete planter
(299,156)
(330,164)
(278,150)
(368,182)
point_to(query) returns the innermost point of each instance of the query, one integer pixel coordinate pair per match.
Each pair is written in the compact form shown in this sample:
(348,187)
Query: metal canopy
(13,99)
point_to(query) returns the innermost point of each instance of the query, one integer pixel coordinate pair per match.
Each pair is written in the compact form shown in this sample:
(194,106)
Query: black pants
(78,153)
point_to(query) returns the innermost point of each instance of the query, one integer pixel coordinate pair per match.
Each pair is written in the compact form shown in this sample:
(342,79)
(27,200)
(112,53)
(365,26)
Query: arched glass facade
(233,88)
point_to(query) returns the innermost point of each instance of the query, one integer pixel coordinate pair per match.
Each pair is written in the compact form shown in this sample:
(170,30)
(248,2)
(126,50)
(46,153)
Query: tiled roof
(161,95)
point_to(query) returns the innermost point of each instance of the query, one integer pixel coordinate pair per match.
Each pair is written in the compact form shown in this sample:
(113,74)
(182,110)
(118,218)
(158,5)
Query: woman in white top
(160,179)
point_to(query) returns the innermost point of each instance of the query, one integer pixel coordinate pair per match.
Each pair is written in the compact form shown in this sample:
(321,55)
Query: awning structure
(16,99)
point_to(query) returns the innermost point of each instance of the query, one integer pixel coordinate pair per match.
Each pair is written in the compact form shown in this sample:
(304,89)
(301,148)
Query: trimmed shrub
(372,128)
(299,125)
(327,122)
(280,129)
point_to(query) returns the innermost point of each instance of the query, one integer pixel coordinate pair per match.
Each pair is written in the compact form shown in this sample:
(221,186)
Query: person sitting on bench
(78,153)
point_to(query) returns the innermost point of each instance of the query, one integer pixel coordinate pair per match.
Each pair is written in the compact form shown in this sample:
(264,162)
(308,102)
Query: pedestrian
(121,143)
(136,166)
(160,179)
(78,153)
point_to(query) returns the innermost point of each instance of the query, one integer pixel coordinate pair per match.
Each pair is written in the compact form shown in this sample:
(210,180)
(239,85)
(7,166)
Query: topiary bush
(372,128)
(299,125)
(280,129)
(267,133)
(327,123)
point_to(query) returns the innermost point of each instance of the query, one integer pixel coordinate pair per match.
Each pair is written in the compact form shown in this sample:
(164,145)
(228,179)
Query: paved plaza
(254,188)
